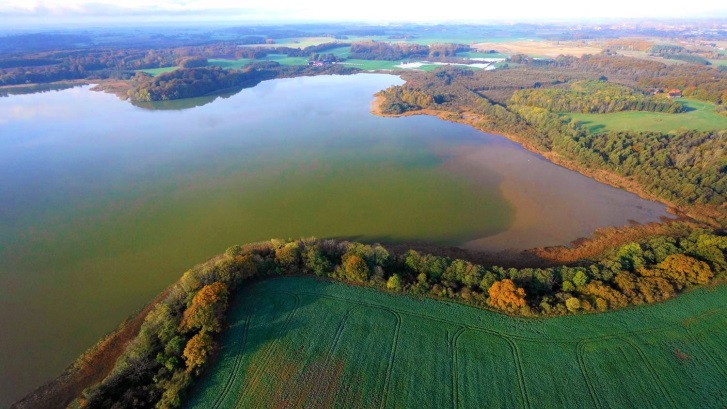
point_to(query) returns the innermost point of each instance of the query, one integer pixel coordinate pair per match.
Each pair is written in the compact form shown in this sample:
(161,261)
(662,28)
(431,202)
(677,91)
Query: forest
(196,82)
(192,82)
(179,335)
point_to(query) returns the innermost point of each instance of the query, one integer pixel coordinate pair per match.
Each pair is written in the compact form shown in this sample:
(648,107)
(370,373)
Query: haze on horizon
(26,13)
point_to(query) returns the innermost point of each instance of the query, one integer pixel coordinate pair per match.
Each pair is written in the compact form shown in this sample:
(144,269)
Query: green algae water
(103,204)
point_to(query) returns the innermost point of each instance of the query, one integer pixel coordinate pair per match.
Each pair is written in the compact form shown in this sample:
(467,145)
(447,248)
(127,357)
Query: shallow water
(103,204)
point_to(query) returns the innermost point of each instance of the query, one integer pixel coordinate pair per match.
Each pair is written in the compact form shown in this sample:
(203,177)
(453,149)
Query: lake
(103,203)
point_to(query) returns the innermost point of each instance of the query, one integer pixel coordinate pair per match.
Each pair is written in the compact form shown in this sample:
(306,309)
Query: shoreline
(92,366)
(599,175)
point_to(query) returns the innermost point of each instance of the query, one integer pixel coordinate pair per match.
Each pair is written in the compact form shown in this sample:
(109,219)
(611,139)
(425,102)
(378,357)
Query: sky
(13,12)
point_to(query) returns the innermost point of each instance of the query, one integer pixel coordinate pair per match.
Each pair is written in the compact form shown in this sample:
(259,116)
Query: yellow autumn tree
(505,295)
(684,270)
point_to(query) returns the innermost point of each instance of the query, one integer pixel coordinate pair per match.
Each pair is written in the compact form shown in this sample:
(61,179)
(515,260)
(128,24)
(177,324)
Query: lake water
(103,204)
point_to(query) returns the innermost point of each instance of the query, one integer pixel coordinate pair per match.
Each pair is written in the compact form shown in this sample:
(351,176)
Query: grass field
(372,65)
(283,59)
(701,116)
(298,342)
(238,64)
(157,71)
(341,52)
(472,54)
(229,64)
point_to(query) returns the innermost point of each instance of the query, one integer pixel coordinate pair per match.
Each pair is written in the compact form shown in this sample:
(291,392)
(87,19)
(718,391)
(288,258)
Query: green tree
(394,283)
(568,286)
(317,262)
(580,279)
(573,304)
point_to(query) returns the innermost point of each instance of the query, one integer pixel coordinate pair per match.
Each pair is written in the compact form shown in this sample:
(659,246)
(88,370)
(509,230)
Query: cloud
(372,10)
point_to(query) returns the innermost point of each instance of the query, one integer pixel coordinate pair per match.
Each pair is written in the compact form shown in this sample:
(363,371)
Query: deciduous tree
(505,295)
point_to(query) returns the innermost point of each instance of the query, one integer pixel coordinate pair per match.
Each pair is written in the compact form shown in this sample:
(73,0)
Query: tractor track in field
(235,366)
(514,350)
(586,377)
(455,377)
(392,357)
(335,342)
(267,355)
(514,337)
(688,326)
(650,368)
(392,352)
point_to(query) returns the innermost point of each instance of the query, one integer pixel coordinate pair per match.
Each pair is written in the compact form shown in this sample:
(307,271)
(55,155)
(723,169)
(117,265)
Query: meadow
(301,342)
(700,116)
(157,71)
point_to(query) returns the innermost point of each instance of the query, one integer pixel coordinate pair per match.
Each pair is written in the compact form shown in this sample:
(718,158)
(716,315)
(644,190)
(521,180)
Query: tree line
(105,63)
(179,336)
(376,50)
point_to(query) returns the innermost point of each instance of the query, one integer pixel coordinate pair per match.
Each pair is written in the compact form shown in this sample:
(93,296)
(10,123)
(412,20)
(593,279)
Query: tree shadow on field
(686,108)
(254,346)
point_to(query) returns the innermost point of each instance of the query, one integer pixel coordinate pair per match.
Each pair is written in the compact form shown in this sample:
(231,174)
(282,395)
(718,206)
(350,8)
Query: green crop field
(701,116)
(340,52)
(283,59)
(372,65)
(229,64)
(300,342)
(472,54)
(157,71)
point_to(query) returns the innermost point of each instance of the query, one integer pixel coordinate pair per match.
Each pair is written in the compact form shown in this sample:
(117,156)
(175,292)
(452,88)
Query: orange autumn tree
(505,295)
(355,268)
(197,350)
(206,310)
